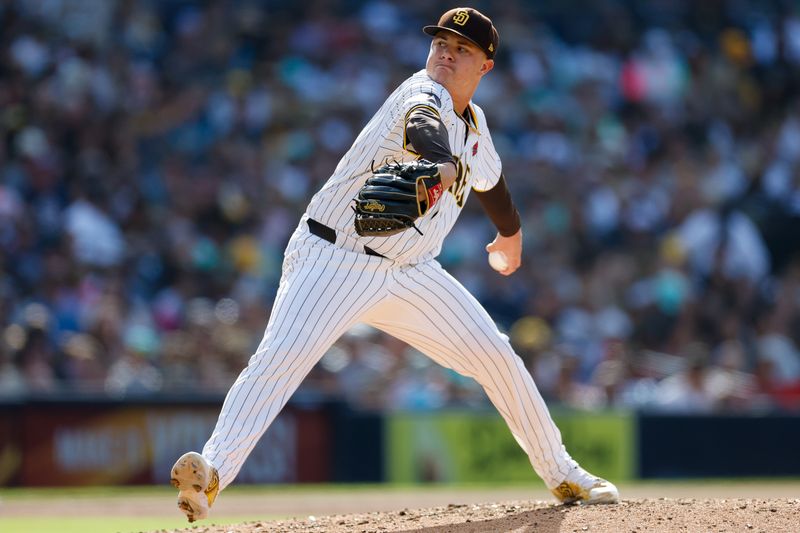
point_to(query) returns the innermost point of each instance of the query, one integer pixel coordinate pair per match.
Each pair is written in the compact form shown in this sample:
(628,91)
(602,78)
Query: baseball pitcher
(364,251)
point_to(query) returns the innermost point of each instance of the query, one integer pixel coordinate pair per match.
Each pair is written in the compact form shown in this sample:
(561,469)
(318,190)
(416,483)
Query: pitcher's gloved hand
(395,196)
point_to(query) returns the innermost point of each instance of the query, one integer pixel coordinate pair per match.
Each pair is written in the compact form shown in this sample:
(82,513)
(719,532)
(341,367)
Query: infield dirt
(658,508)
(658,515)
(749,506)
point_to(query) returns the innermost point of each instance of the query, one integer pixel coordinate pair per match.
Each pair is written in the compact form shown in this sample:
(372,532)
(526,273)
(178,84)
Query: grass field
(86,525)
(135,509)
(99,510)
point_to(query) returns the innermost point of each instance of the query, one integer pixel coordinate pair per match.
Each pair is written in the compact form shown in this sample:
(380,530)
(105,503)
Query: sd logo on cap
(470,24)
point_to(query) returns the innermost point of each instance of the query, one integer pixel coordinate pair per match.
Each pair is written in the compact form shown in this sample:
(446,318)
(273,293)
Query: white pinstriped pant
(324,290)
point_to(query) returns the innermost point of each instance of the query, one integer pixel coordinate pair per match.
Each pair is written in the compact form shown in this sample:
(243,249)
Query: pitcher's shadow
(535,521)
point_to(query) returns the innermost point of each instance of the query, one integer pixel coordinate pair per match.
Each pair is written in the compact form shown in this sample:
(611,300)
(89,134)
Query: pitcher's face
(455,62)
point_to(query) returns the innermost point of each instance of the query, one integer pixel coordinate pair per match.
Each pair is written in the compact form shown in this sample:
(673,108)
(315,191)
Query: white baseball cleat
(582,487)
(197,483)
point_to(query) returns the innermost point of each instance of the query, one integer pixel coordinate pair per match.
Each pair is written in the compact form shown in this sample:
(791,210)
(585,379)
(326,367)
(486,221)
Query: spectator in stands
(155,153)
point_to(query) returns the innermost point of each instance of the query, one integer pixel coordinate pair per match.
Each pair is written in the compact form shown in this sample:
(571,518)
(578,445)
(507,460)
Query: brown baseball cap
(470,24)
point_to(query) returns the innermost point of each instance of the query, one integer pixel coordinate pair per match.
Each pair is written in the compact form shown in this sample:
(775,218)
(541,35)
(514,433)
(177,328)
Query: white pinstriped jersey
(327,288)
(382,140)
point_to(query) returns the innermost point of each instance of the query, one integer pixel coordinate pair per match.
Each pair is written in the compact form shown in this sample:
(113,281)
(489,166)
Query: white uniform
(326,288)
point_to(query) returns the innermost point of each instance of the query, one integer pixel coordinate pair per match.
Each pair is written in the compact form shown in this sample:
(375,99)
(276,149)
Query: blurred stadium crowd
(156,156)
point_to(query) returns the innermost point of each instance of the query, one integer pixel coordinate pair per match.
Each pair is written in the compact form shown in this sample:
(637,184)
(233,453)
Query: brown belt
(329,234)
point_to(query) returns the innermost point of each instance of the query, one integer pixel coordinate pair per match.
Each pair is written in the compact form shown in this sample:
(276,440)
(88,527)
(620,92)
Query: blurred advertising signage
(120,444)
(456,447)
(10,447)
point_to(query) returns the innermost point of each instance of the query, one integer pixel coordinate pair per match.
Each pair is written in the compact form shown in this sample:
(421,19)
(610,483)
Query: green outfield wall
(70,441)
(475,447)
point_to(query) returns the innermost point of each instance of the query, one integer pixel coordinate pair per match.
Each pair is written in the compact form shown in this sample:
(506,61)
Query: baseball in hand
(498,261)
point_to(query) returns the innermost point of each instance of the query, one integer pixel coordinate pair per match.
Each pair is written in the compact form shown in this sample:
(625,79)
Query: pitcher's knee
(509,358)
(271,361)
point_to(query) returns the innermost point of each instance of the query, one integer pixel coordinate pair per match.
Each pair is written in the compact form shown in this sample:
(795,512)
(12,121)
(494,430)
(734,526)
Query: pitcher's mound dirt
(630,516)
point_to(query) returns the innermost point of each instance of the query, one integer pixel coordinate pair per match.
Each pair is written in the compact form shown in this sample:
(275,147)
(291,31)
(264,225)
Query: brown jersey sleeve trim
(498,205)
